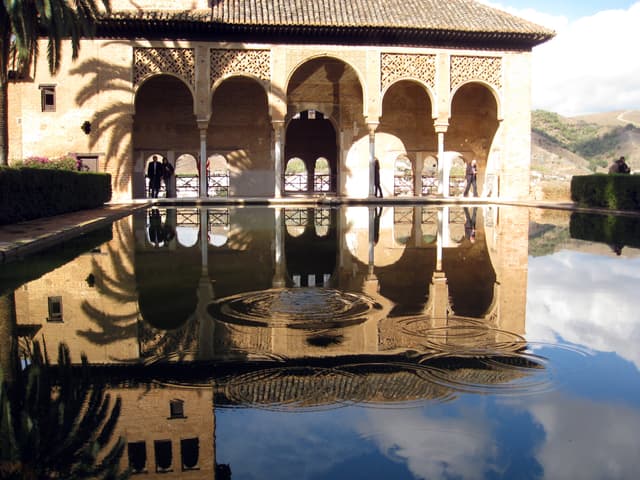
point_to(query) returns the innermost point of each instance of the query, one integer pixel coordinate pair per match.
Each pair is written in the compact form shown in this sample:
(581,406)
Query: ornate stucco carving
(395,66)
(178,61)
(256,63)
(465,68)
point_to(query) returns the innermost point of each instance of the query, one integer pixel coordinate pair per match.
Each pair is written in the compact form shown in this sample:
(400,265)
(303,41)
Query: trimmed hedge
(613,191)
(28,193)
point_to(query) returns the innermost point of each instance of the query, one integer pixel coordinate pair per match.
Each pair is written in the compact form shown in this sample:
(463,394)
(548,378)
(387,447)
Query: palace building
(291,98)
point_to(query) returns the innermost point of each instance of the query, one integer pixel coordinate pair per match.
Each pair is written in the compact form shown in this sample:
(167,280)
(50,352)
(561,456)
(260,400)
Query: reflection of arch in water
(218,228)
(167,282)
(187,226)
(311,255)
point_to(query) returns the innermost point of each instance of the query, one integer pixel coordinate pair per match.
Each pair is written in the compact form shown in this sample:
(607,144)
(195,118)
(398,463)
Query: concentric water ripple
(307,308)
(300,388)
(503,373)
(462,336)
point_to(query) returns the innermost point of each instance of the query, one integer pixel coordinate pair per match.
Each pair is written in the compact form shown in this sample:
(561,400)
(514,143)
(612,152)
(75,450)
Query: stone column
(278,152)
(372,126)
(202,127)
(417,176)
(443,183)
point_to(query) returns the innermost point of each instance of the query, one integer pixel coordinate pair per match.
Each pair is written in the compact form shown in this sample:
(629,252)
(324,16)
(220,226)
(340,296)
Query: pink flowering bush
(68,162)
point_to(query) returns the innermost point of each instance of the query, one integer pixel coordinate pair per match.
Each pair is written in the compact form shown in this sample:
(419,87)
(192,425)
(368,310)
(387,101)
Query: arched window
(403,177)
(322,175)
(295,176)
(186,173)
(429,175)
(218,179)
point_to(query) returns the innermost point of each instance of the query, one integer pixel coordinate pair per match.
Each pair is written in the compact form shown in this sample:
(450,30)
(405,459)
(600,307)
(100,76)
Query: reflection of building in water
(168,430)
(358,271)
(340,295)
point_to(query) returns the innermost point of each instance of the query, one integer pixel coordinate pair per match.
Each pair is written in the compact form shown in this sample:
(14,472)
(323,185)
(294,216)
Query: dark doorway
(311,138)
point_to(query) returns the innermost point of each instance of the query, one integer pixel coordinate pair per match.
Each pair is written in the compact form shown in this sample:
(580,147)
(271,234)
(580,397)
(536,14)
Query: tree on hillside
(22,23)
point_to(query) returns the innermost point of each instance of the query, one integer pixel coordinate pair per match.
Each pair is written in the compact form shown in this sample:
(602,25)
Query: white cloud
(583,306)
(587,440)
(590,66)
(434,448)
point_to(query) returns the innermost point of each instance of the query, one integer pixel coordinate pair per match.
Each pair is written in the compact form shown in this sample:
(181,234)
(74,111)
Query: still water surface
(355,342)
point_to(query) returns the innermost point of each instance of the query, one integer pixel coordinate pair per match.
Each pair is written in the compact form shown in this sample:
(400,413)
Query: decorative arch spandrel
(153,61)
(255,63)
(465,68)
(402,66)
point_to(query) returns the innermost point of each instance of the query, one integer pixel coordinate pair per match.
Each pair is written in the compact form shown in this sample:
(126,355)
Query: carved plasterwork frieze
(396,66)
(256,63)
(465,68)
(177,61)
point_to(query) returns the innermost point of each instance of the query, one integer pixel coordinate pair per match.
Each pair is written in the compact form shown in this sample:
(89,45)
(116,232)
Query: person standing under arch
(472,178)
(376,179)
(167,176)
(154,174)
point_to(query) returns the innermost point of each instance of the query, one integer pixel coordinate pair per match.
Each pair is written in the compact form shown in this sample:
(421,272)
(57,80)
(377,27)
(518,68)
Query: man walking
(472,176)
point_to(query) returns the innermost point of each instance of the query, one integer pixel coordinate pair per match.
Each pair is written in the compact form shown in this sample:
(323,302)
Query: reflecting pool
(386,342)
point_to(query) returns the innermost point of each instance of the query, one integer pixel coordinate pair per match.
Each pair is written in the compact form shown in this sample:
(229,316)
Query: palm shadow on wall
(113,123)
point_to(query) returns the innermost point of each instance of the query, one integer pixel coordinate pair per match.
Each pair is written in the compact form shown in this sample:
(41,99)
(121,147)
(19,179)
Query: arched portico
(164,123)
(324,97)
(240,130)
(473,125)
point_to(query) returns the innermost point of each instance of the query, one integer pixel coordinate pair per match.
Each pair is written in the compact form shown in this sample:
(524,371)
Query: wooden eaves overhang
(198,25)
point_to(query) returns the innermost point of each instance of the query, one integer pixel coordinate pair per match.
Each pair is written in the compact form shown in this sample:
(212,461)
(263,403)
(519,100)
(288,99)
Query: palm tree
(22,23)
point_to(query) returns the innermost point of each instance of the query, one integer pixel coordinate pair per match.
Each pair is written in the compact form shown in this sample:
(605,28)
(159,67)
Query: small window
(137,457)
(190,451)
(48,98)
(55,309)
(87,163)
(176,409)
(164,456)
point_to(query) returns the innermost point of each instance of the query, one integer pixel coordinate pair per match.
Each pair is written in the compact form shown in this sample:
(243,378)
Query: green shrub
(613,191)
(615,230)
(27,193)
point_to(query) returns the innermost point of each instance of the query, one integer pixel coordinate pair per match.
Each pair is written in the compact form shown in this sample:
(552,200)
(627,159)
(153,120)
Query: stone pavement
(20,239)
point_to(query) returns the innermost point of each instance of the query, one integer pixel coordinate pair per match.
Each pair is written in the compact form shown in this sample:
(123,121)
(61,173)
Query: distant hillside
(566,146)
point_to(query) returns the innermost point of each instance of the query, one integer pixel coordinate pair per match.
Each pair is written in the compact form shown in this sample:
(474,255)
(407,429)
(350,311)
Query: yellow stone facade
(238,101)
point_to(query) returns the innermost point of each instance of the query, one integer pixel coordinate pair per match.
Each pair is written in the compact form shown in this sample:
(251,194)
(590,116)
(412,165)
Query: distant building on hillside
(258,87)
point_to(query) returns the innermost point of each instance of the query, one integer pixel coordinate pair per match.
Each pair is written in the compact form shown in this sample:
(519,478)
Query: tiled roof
(406,22)
(465,15)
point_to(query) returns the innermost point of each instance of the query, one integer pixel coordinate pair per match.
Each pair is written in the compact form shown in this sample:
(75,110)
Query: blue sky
(591,65)
(572,10)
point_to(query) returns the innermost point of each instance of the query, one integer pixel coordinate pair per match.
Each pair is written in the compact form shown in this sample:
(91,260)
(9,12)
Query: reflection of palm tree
(57,424)
(117,284)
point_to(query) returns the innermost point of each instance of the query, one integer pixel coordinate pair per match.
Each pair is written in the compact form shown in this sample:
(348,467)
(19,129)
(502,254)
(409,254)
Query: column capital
(441,126)
(203,124)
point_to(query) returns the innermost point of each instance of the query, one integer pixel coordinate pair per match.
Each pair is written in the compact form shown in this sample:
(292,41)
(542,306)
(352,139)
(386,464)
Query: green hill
(587,143)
